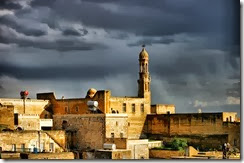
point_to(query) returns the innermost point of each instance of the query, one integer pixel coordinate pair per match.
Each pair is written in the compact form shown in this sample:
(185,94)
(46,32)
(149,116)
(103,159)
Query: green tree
(178,144)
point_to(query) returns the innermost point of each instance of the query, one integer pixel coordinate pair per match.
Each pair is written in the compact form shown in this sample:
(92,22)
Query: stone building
(127,122)
(200,129)
(26,141)
(22,125)
(141,113)
(26,114)
(136,107)
(91,131)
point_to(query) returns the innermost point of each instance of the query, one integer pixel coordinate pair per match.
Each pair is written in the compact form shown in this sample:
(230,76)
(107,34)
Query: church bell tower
(144,77)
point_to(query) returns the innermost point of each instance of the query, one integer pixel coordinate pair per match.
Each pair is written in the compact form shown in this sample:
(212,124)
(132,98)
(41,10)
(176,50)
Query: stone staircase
(55,141)
(206,155)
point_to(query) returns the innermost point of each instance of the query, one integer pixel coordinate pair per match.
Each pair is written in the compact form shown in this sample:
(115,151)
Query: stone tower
(144,77)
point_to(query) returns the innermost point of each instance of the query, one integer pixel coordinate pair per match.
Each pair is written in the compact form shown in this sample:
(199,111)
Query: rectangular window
(133,108)
(124,107)
(42,147)
(51,147)
(142,108)
(14,147)
(235,142)
(16,121)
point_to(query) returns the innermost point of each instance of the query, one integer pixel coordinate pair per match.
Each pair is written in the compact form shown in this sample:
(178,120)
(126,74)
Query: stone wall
(202,124)
(88,129)
(62,155)
(32,106)
(75,105)
(121,154)
(139,148)
(59,136)
(154,144)
(29,121)
(163,108)
(164,154)
(198,141)
(8,155)
(137,117)
(108,154)
(119,142)
(28,140)
(106,104)
(7,117)
(28,112)
(116,125)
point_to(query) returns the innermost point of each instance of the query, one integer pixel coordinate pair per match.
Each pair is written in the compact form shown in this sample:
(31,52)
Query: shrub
(178,144)
(175,144)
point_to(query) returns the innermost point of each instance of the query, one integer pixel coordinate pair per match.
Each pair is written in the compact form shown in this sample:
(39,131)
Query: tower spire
(144,77)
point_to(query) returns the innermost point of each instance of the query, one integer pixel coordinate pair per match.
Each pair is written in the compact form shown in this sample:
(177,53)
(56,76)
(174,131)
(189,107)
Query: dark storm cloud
(61,45)
(154,17)
(235,90)
(37,3)
(71,32)
(85,72)
(11,21)
(10,4)
(198,65)
(150,41)
(1,87)
(74,32)
(8,37)
(195,66)
(83,31)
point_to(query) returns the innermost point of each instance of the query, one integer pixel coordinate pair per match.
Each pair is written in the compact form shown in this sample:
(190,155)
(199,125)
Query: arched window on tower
(146,68)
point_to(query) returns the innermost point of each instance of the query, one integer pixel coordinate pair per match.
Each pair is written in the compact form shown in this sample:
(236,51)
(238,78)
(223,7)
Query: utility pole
(23,95)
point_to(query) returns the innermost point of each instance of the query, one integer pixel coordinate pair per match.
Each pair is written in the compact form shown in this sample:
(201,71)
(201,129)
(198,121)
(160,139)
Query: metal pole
(39,136)
(24,104)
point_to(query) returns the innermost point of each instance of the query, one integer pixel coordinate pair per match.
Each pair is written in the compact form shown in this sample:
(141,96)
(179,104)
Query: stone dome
(143,54)
(91,92)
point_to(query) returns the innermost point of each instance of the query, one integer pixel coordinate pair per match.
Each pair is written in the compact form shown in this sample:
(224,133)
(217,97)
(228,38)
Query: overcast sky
(69,46)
